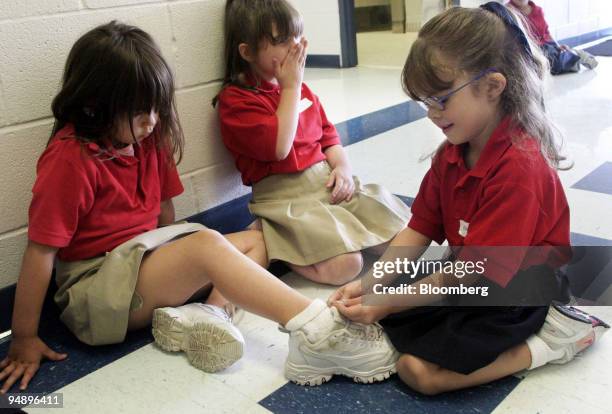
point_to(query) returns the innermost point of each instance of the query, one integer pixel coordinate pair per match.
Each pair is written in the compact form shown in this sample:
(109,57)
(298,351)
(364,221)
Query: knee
(341,269)
(414,373)
(208,241)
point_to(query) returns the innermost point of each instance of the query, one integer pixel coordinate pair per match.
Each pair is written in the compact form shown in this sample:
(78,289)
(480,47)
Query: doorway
(379,33)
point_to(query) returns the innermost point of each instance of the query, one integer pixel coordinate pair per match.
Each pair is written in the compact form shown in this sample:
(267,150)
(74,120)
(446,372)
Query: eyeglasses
(438,102)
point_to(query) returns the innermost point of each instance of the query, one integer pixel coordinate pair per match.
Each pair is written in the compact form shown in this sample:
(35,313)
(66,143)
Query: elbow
(282,153)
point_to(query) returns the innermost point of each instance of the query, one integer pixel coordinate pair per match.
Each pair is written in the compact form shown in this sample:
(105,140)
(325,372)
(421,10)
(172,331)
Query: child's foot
(586,59)
(566,332)
(361,352)
(204,332)
(599,326)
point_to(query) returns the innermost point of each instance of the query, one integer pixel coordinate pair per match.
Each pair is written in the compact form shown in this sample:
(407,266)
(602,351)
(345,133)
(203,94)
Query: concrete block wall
(35,38)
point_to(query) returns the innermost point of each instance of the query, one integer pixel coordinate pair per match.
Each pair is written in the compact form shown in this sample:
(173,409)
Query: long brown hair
(250,22)
(113,72)
(472,40)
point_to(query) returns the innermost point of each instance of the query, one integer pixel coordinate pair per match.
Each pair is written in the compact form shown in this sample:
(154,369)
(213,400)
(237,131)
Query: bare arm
(287,114)
(32,287)
(27,349)
(166,216)
(336,157)
(348,299)
(341,177)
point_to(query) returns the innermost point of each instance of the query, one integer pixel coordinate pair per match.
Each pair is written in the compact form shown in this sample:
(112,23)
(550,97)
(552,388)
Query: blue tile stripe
(599,180)
(342,395)
(363,127)
(586,37)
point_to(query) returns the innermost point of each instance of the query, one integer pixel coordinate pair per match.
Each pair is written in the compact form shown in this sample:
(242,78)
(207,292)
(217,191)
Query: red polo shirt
(249,128)
(87,203)
(537,24)
(511,197)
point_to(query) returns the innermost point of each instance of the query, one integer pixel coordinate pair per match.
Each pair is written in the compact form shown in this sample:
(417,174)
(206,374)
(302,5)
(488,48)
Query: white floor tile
(582,385)
(152,381)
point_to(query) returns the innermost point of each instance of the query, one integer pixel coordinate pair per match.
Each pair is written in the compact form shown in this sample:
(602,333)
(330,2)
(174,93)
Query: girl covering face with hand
(315,215)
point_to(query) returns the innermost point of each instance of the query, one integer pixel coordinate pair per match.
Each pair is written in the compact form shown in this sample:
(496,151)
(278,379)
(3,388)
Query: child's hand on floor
(23,361)
(341,179)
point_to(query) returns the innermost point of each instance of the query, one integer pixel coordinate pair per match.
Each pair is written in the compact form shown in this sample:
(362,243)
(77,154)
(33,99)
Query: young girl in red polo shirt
(491,183)
(104,184)
(315,215)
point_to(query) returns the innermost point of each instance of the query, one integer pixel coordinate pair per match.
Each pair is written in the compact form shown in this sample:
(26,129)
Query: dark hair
(116,71)
(471,40)
(250,22)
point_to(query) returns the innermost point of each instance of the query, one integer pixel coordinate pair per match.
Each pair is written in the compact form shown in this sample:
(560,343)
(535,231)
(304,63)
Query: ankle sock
(316,319)
(541,353)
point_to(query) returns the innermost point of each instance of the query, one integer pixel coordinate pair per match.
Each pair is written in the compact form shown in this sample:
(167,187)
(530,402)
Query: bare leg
(250,243)
(256,225)
(334,271)
(173,272)
(430,379)
(217,299)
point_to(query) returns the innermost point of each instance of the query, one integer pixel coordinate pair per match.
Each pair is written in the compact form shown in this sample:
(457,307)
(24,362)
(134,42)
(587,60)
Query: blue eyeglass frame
(438,102)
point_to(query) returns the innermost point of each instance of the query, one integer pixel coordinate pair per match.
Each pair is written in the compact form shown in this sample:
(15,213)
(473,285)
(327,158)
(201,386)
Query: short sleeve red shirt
(538,25)
(511,197)
(249,127)
(86,202)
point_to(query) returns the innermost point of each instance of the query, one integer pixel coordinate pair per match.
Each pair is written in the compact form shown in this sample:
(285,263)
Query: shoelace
(369,333)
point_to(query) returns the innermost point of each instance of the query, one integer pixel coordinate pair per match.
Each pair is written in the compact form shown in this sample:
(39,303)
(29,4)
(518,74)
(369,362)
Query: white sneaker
(568,331)
(204,332)
(587,59)
(362,352)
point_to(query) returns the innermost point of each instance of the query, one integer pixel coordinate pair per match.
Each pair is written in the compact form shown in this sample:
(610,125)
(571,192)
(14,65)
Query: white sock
(541,354)
(317,318)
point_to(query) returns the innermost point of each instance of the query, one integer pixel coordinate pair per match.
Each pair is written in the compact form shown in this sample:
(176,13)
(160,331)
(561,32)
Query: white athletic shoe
(204,332)
(587,59)
(568,331)
(361,352)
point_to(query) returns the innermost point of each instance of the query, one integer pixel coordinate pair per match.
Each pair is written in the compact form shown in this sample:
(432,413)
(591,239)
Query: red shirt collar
(260,85)
(498,143)
(94,149)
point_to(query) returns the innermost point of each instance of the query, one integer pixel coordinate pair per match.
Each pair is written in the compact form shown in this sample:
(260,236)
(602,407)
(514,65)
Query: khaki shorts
(96,295)
(302,227)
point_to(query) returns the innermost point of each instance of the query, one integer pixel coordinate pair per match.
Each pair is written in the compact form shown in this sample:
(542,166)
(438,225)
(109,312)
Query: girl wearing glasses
(491,183)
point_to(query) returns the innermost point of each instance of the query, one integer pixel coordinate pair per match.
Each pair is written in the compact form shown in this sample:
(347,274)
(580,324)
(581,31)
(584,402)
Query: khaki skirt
(302,227)
(96,295)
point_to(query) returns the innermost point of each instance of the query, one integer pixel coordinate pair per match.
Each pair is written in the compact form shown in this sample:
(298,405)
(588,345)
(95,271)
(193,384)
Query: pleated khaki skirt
(302,227)
(96,295)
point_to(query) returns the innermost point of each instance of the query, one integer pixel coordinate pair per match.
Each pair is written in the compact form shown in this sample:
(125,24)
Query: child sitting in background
(562,58)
